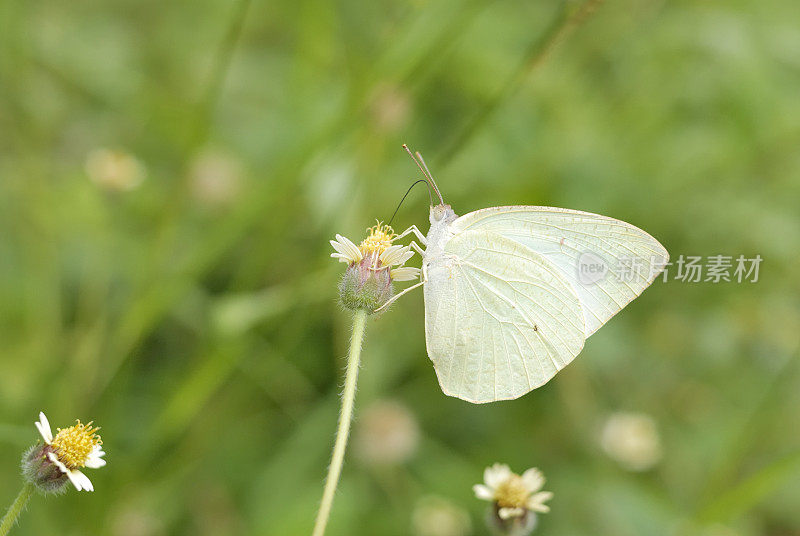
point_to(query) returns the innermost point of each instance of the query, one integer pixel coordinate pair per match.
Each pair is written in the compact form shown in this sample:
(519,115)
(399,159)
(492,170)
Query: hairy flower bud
(365,287)
(39,470)
(514,526)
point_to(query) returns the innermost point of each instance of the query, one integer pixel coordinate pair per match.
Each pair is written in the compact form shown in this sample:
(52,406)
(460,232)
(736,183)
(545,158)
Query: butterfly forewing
(500,319)
(607,262)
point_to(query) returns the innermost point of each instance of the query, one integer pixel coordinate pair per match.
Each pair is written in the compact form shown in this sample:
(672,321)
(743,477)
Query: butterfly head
(442,214)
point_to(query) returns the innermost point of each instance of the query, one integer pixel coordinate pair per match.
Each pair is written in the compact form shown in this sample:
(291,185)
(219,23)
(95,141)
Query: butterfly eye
(438,212)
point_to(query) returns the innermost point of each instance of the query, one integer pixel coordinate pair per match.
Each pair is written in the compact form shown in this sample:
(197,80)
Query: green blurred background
(171,173)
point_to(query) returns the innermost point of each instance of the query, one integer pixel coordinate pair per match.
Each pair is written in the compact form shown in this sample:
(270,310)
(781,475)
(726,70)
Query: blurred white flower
(390,108)
(114,170)
(436,516)
(387,434)
(215,179)
(632,440)
(70,450)
(136,521)
(513,495)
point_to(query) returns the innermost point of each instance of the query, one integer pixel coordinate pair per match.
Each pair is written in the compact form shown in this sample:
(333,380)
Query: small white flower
(514,495)
(372,266)
(72,449)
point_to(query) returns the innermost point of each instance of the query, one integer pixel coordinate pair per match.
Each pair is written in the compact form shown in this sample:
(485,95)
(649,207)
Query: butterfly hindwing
(500,319)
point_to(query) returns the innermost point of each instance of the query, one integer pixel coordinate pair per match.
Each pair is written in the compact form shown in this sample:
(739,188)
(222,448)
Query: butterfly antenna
(424,169)
(419,157)
(408,192)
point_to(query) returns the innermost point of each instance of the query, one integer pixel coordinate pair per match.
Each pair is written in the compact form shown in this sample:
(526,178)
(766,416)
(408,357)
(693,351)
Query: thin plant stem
(16,508)
(346,415)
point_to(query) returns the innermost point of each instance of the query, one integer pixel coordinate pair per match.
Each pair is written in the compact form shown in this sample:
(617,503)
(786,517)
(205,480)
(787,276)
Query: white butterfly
(512,293)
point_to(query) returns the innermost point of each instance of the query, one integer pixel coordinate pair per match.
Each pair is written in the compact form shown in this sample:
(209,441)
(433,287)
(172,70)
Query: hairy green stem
(16,508)
(345,416)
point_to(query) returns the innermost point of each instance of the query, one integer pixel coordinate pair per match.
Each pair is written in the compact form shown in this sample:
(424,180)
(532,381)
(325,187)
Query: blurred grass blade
(752,490)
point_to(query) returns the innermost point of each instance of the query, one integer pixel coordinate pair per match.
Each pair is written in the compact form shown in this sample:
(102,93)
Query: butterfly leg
(417,233)
(393,298)
(416,247)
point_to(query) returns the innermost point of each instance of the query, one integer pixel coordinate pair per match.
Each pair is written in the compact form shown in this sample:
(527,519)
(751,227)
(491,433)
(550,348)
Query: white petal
(391,250)
(508,513)
(496,475)
(536,502)
(533,479)
(75,479)
(86,484)
(395,255)
(80,481)
(44,428)
(95,462)
(482,492)
(340,244)
(346,248)
(95,458)
(404,257)
(341,257)
(390,253)
(53,458)
(339,251)
(346,242)
(405,273)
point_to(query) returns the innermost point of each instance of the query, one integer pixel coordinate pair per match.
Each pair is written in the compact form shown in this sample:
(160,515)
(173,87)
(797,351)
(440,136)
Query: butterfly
(512,293)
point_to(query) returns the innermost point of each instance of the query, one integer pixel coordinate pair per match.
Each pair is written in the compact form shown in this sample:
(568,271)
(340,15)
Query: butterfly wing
(577,244)
(500,320)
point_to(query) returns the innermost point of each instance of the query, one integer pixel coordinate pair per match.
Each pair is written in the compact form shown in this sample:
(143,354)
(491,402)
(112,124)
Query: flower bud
(365,287)
(514,526)
(39,470)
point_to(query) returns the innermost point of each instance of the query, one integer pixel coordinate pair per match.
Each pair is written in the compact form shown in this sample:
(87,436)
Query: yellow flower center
(512,493)
(74,444)
(379,239)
